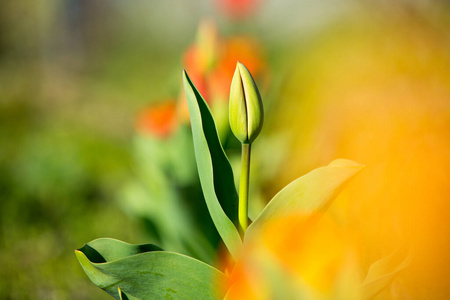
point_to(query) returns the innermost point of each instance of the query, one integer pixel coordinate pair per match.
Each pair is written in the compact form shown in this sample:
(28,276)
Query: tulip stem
(243,188)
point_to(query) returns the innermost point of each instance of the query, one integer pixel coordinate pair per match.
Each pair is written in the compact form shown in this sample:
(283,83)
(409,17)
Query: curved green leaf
(128,271)
(308,194)
(382,272)
(123,296)
(214,169)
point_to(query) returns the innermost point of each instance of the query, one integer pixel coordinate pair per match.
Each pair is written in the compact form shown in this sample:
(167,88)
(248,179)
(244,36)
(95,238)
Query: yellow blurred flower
(297,258)
(382,97)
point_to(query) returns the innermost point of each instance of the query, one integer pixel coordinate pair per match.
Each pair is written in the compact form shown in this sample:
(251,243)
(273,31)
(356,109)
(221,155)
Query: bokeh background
(88,86)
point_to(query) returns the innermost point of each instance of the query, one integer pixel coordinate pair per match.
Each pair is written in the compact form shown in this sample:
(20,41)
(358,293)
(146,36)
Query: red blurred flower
(212,59)
(237,8)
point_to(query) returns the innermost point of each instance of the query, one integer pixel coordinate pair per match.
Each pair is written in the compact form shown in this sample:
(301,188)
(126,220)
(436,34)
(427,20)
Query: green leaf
(146,272)
(123,296)
(214,169)
(156,194)
(382,272)
(308,194)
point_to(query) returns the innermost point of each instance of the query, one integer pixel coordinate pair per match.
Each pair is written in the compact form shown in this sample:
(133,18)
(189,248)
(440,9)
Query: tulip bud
(246,108)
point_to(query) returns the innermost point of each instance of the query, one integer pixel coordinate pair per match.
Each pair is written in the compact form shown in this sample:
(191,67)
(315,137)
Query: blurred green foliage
(66,117)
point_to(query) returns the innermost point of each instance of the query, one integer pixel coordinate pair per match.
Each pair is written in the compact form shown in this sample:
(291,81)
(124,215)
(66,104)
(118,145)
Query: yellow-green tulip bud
(246,108)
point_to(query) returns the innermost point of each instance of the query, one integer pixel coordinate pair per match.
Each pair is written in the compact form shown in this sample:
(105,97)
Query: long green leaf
(308,194)
(145,272)
(214,169)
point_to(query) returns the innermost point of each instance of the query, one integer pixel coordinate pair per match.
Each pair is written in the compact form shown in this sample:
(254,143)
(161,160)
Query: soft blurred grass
(70,83)
(56,192)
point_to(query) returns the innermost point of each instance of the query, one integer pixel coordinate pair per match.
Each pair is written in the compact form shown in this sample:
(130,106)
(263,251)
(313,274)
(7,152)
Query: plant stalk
(243,188)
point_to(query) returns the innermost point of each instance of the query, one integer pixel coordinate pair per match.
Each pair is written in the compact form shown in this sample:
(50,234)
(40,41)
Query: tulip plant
(146,271)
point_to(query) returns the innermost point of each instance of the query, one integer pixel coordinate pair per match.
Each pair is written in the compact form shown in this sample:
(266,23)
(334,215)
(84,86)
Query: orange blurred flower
(158,119)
